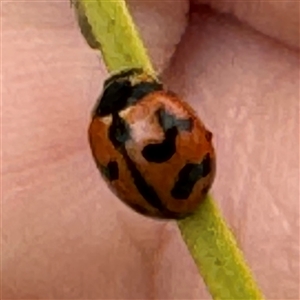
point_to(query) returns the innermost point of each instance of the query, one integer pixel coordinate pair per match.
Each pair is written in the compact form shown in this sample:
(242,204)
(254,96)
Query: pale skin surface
(65,236)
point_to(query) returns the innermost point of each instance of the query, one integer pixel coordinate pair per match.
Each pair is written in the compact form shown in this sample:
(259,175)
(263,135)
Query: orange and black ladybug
(150,146)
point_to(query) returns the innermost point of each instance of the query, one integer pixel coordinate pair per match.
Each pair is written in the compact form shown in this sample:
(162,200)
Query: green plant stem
(108,27)
(217,255)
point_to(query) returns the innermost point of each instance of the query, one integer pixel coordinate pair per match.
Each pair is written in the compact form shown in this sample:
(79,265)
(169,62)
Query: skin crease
(64,235)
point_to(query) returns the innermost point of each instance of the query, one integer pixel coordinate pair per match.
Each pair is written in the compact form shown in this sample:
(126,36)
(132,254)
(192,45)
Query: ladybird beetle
(150,146)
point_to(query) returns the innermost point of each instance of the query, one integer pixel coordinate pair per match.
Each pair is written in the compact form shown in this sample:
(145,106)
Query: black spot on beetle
(119,131)
(118,95)
(123,75)
(141,90)
(188,177)
(167,121)
(146,190)
(111,171)
(114,98)
(162,152)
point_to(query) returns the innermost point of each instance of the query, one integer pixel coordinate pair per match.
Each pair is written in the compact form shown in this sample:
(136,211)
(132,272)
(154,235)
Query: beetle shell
(150,146)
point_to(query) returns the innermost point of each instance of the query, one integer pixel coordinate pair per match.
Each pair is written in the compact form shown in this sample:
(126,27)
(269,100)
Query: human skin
(64,235)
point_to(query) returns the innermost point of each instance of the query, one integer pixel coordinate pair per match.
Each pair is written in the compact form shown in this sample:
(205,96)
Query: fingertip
(161,24)
(277,19)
